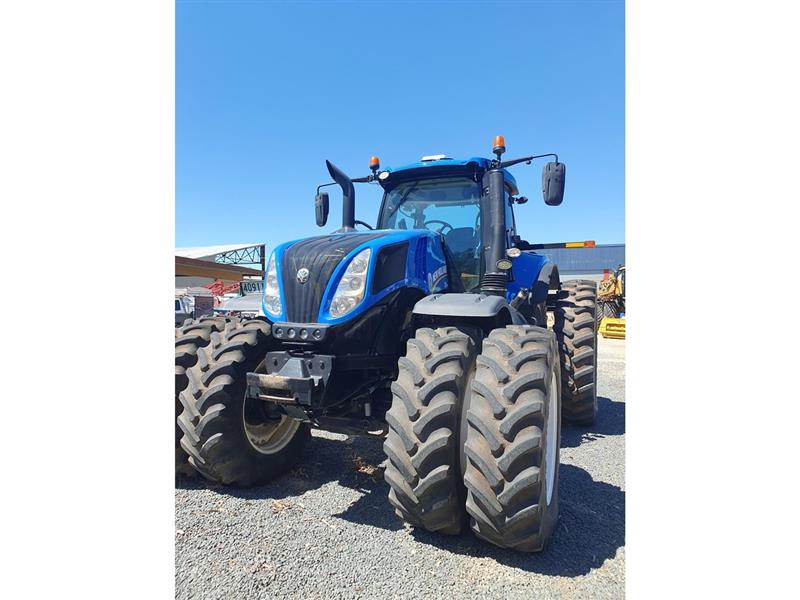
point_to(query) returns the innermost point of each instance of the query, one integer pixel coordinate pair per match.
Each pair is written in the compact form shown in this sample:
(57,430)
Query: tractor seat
(462,243)
(461,239)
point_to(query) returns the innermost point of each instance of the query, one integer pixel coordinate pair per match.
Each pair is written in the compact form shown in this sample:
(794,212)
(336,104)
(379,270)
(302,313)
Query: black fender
(484,311)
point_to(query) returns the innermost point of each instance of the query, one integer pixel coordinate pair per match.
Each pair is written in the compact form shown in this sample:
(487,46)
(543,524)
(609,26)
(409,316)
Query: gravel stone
(327,530)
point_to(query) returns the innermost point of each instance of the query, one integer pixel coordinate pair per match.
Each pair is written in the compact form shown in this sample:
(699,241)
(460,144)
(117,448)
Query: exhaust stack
(348,196)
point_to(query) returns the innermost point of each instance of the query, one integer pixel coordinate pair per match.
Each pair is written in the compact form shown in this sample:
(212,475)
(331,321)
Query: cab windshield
(450,206)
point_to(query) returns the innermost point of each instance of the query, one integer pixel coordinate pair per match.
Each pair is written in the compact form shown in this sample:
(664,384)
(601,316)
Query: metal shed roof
(211,251)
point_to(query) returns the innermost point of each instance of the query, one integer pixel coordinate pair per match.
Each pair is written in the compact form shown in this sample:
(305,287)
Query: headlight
(272,294)
(350,291)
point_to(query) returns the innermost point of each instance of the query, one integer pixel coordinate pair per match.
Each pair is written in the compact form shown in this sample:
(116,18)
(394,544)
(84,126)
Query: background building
(586,263)
(202,265)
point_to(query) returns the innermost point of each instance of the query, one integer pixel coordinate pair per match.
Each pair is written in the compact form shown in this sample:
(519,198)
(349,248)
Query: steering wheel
(444,226)
(367,225)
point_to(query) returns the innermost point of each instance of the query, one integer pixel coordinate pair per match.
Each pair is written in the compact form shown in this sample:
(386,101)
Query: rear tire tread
(576,331)
(504,450)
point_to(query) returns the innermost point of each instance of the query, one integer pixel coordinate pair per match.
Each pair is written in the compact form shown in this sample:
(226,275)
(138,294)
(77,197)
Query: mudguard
(478,306)
(461,305)
(548,279)
(534,272)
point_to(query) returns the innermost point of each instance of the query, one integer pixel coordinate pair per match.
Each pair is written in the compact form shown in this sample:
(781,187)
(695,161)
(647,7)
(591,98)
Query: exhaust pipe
(348,196)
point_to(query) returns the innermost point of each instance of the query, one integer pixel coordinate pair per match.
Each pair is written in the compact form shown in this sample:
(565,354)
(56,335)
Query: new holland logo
(435,278)
(302,275)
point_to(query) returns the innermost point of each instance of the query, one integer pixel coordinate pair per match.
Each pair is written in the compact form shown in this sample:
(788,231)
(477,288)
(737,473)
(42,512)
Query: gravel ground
(327,530)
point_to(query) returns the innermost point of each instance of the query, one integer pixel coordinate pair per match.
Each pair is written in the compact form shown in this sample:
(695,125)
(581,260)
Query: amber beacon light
(499,145)
(374,163)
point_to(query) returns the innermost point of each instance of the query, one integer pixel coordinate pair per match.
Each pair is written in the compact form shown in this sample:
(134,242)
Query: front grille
(319,255)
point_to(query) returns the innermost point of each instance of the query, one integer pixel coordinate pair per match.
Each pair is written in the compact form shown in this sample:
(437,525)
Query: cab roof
(443,167)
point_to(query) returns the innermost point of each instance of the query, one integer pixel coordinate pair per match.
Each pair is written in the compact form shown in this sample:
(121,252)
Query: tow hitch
(291,379)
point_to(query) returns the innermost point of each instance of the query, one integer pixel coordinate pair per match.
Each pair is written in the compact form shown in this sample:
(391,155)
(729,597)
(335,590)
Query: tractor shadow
(590,530)
(352,462)
(610,421)
(591,526)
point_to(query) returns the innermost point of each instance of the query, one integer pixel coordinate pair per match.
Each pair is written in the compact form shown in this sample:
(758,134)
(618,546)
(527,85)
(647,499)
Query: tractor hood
(309,270)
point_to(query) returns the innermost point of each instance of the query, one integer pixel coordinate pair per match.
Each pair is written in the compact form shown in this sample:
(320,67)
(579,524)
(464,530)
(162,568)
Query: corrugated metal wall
(587,262)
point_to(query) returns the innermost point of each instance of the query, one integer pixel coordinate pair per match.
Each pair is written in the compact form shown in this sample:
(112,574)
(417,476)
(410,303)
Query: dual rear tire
(576,331)
(493,460)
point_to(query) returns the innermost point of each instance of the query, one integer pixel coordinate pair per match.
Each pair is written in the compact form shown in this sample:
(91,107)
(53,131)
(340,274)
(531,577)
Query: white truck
(192,304)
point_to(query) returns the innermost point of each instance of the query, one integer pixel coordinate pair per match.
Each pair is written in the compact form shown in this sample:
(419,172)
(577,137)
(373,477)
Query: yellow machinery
(612,327)
(611,305)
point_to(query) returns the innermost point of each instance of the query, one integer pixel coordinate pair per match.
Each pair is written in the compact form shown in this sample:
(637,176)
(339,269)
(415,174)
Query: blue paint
(525,271)
(426,270)
(415,277)
(483,164)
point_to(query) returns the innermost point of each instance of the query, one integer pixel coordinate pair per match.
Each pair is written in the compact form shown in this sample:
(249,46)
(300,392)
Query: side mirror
(321,208)
(553,176)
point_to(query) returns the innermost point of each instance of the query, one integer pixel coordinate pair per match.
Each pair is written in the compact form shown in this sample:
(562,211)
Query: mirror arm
(526,159)
(319,187)
(367,179)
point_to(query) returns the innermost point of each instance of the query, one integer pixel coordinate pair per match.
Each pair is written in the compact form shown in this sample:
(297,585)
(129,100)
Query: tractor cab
(444,196)
(447,205)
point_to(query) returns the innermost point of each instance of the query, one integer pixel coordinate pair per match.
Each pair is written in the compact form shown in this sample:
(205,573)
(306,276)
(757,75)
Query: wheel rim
(551,439)
(267,436)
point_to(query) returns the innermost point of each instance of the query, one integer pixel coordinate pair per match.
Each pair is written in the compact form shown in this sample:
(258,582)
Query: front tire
(230,440)
(513,438)
(189,338)
(424,438)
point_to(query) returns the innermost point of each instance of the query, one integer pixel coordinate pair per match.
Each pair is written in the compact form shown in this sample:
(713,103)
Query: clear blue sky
(266,91)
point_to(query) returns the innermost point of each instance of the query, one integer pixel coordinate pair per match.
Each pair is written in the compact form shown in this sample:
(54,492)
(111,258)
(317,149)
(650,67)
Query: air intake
(494,284)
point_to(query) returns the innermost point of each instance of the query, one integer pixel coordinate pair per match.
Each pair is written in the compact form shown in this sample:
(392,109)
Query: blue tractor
(430,329)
